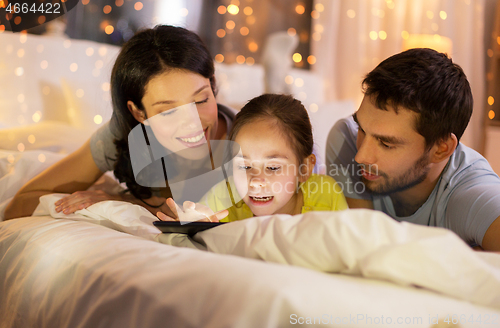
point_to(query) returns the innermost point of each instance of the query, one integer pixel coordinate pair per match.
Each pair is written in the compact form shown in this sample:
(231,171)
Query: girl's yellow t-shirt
(320,192)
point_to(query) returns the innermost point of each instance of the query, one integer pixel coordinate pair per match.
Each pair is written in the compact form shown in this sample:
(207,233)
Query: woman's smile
(195,139)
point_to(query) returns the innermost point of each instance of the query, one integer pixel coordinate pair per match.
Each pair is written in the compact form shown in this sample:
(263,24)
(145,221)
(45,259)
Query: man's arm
(491,239)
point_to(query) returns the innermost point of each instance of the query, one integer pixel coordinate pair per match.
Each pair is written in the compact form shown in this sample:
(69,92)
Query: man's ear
(138,114)
(306,168)
(444,148)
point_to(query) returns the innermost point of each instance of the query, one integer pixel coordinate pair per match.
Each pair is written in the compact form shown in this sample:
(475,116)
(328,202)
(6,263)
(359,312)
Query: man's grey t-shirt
(102,141)
(465,200)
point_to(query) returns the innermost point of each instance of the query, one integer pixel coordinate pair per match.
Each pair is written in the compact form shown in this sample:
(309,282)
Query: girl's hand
(191,212)
(82,199)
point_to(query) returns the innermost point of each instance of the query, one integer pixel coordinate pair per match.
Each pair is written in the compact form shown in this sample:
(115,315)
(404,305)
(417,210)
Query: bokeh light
(36,117)
(253,47)
(221,33)
(233,9)
(240,59)
(300,9)
(109,29)
(244,31)
(297,57)
(221,9)
(248,11)
(219,58)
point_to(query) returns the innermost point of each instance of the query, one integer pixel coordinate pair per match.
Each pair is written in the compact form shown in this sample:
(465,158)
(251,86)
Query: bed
(108,266)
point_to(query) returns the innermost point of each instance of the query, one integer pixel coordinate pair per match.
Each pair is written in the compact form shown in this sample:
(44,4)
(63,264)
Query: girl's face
(266,170)
(181,110)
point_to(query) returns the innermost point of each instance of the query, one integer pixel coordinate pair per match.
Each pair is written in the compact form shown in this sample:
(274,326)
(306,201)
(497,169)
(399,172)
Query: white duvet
(75,272)
(356,242)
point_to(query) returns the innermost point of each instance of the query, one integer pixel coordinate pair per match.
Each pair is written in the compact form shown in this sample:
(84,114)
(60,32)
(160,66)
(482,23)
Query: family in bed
(404,143)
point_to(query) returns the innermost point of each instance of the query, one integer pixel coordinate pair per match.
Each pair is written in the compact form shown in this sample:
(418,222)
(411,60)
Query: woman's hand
(191,212)
(82,199)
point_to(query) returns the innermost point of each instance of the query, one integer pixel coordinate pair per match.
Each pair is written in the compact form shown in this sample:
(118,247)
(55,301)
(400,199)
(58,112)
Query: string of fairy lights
(241,19)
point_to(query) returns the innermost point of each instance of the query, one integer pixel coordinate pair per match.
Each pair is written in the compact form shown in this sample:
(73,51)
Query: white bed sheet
(75,272)
(63,273)
(358,242)
(17,168)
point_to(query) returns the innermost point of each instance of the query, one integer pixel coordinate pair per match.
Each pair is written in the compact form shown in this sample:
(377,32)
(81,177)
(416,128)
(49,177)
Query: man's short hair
(428,83)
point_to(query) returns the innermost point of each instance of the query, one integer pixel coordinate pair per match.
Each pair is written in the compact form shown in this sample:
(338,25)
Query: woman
(156,71)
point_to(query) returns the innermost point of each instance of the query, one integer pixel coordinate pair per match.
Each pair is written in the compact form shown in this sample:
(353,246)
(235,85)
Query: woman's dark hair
(428,83)
(287,113)
(147,54)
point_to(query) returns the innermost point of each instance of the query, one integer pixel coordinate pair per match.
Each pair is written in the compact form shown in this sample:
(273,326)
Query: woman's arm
(73,174)
(76,171)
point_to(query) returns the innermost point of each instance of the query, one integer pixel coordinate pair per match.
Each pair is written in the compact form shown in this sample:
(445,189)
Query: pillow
(88,103)
(307,86)
(20,97)
(17,168)
(31,67)
(47,135)
(237,83)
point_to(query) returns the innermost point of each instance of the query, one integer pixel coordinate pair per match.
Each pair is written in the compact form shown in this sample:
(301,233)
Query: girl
(274,167)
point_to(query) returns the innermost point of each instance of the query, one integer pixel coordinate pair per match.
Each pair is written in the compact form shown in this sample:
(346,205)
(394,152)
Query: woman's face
(182,112)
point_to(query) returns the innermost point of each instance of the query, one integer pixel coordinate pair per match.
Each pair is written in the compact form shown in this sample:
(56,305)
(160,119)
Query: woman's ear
(138,114)
(306,168)
(444,148)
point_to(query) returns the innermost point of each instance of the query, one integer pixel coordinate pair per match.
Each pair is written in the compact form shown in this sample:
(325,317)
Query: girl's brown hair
(289,115)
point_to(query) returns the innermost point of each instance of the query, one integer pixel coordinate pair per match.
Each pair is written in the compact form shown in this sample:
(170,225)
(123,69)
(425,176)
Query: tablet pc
(189,228)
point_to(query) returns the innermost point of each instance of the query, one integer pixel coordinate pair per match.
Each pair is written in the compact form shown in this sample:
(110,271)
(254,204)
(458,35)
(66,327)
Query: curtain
(351,37)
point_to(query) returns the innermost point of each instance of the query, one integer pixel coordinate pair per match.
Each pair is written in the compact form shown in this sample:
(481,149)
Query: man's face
(391,153)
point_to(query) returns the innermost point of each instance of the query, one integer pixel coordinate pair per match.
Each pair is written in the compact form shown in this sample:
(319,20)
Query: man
(400,152)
